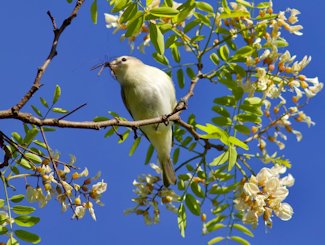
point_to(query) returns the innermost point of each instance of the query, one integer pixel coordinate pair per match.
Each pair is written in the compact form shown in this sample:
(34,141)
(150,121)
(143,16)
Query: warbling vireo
(148,92)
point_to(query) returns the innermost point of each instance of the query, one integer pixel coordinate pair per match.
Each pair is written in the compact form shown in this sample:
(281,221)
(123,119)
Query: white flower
(286,57)
(111,20)
(79,212)
(264,175)
(278,169)
(262,79)
(293,16)
(284,212)
(99,188)
(84,173)
(271,185)
(251,189)
(280,193)
(265,54)
(156,168)
(298,66)
(288,180)
(92,213)
(250,218)
(36,195)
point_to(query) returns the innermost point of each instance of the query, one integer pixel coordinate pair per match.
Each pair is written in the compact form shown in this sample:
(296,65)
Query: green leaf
(252,108)
(125,135)
(119,5)
(243,129)
(197,190)
(190,72)
(176,155)
(48,129)
(221,110)
(27,236)
(164,12)
(232,157)
(69,1)
(34,158)
(189,26)
(24,163)
(3,230)
(181,219)
(185,10)
(23,210)
(215,240)
(193,204)
(214,58)
(2,202)
(225,100)
(243,229)
(244,51)
(59,110)
(203,18)
(234,14)
(17,137)
(175,53)
(26,221)
(30,135)
(37,111)
(204,7)
(57,94)
(215,223)
(134,145)
(240,240)
(157,38)
(249,118)
(149,154)
(12,241)
(222,121)
(180,78)
(129,12)
(245,3)
(221,159)
(100,119)
(160,58)
(235,141)
(223,52)
(135,25)
(110,132)
(44,103)
(253,101)
(93,11)
(263,5)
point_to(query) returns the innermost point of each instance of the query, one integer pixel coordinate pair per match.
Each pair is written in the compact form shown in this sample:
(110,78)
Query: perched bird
(148,92)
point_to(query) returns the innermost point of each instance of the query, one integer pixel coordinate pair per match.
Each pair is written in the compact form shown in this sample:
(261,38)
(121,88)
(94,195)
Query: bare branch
(53,52)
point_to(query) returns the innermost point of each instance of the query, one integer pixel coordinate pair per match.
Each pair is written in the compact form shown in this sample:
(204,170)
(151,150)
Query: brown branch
(53,122)
(53,52)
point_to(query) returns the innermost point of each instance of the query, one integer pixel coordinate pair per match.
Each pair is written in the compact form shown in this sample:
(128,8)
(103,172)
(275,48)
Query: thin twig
(53,52)
(74,110)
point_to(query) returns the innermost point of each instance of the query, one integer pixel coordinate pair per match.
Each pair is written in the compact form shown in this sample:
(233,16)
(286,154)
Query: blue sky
(26,38)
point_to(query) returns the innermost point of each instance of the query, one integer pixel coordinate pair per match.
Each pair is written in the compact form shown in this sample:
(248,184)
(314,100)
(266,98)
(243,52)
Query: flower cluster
(264,194)
(68,193)
(148,190)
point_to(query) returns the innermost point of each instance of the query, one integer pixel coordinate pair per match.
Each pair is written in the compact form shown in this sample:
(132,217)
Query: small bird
(148,92)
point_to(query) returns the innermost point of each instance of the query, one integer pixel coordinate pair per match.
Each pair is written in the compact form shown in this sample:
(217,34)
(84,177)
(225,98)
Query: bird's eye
(123,59)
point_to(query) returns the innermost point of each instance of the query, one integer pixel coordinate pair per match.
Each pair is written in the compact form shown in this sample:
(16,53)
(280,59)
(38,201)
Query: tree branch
(53,52)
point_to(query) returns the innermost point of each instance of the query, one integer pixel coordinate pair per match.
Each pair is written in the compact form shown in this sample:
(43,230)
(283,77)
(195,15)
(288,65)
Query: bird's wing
(125,102)
(127,107)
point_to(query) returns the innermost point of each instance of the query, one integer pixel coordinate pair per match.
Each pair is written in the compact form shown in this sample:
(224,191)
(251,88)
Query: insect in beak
(101,66)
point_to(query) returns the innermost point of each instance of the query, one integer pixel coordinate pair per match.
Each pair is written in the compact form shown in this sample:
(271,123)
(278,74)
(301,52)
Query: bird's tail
(168,172)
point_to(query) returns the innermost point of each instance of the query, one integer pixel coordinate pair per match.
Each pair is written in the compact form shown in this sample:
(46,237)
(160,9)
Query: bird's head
(122,64)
